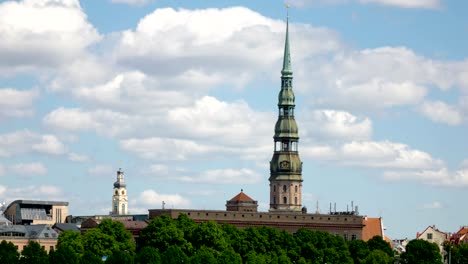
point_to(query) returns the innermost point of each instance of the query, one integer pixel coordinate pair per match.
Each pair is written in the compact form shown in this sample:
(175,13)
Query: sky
(182,95)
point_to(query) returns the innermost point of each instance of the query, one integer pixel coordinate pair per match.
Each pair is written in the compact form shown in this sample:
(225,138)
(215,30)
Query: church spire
(285,165)
(286,71)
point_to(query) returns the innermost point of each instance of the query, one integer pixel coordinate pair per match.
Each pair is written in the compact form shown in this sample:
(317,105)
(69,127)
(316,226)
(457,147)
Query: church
(286,211)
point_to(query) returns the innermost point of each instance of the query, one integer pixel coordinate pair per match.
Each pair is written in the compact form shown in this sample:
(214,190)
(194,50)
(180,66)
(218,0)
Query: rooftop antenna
(163,204)
(317,210)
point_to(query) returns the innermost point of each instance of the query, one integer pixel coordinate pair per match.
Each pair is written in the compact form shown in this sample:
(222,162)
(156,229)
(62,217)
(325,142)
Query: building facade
(29,212)
(285,165)
(434,235)
(119,196)
(21,235)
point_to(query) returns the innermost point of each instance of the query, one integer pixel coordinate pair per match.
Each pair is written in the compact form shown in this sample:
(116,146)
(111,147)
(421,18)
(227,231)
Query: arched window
(274,199)
(285,200)
(295,188)
(123,208)
(284,188)
(274,188)
(116,192)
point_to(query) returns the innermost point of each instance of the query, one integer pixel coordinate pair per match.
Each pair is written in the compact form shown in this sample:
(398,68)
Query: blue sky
(182,95)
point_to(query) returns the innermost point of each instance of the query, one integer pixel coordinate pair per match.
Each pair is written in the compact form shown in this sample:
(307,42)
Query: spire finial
(287,56)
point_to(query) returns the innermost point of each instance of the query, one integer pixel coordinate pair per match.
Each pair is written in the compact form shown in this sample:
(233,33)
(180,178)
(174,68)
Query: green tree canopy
(378,243)
(174,255)
(63,254)
(90,258)
(71,239)
(148,255)
(359,250)
(33,253)
(8,253)
(120,257)
(419,251)
(377,256)
(161,233)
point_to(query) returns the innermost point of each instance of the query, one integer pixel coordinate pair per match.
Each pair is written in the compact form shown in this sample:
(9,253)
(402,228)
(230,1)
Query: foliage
(421,252)
(148,255)
(174,255)
(63,254)
(33,253)
(377,256)
(377,243)
(203,256)
(120,257)
(71,239)
(162,233)
(8,253)
(90,258)
(359,250)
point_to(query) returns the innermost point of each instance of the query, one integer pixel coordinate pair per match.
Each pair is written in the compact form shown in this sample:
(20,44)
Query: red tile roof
(241,197)
(372,227)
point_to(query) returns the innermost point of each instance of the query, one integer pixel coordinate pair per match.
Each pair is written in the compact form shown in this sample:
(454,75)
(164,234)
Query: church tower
(285,165)
(119,198)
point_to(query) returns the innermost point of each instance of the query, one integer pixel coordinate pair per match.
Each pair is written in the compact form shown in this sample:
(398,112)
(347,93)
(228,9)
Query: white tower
(119,198)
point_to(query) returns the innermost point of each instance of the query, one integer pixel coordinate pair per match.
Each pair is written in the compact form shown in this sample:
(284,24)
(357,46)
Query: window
(274,188)
(281,111)
(285,146)
(295,188)
(284,188)
(123,208)
(429,235)
(353,237)
(295,200)
(274,199)
(285,200)
(116,192)
(345,236)
(46,234)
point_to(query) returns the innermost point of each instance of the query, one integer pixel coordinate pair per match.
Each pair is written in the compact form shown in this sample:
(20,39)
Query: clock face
(284,164)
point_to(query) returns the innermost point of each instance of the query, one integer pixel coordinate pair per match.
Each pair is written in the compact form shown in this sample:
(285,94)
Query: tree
(98,243)
(33,253)
(120,257)
(90,258)
(377,256)
(203,256)
(148,255)
(229,256)
(117,231)
(358,250)
(421,252)
(71,239)
(63,254)
(8,253)
(377,242)
(162,233)
(174,255)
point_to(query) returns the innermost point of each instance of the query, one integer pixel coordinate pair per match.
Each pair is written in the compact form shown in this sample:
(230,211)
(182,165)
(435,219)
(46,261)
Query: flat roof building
(32,212)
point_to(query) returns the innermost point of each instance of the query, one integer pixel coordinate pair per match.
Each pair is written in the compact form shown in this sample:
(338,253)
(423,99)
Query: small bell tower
(119,197)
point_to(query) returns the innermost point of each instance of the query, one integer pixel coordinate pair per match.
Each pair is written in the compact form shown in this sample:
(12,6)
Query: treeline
(182,241)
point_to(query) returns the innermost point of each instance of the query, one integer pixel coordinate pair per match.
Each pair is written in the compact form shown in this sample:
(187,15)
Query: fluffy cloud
(16,103)
(25,141)
(186,48)
(150,198)
(433,205)
(38,34)
(441,177)
(77,157)
(333,124)
(32,192)
(374,154)
(27,169)
(425,4)
(225,176)
(441,112)
(101,170)
(131,2)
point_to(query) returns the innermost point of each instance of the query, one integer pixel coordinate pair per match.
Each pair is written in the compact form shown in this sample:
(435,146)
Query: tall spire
(285,165)
(286,71)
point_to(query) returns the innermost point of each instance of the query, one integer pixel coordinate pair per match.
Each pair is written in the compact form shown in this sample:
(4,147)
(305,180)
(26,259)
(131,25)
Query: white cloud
(374,154)
(334,124)
(441,177)
(50,144)
(433,205)
(101,170)
(131,2)
(38,34)
(225,176)
(2,170)
(25,141)
(77,157)
(28,169)
(464,164)
(424,4)
(16,103)
(32,192)
(152,199)
(441,112)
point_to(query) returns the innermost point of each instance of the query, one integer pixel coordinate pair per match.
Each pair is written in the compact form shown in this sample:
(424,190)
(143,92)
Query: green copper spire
(285,165)
(287,56)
